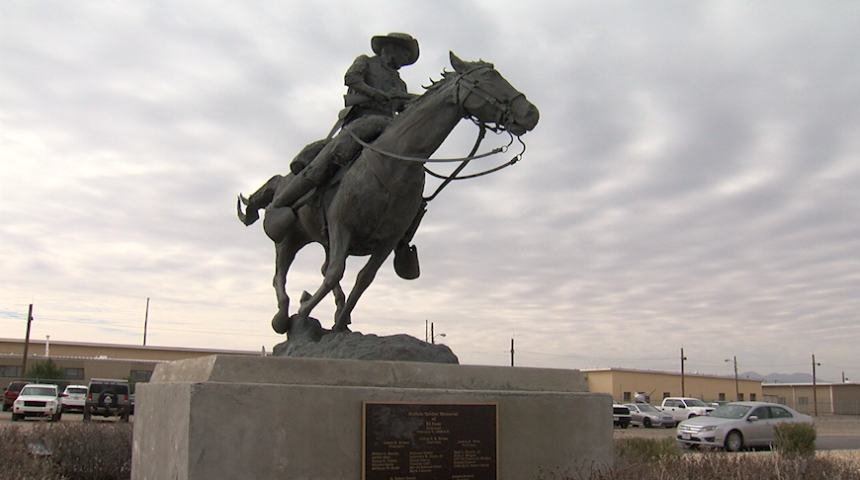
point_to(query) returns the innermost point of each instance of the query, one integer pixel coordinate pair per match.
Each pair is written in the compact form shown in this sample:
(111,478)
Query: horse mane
(447,75)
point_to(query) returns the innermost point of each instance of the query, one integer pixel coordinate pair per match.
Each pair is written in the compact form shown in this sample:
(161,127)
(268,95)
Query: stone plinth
(291,418)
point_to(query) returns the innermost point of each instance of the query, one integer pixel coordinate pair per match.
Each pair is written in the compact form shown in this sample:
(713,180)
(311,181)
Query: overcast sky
(694,181)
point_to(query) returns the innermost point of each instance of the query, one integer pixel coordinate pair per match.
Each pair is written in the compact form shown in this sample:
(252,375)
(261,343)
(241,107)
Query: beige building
(83,361)
(830,398)
(624,384)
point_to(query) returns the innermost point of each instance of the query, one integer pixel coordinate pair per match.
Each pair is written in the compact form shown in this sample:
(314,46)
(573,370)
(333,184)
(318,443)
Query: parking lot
(834,433)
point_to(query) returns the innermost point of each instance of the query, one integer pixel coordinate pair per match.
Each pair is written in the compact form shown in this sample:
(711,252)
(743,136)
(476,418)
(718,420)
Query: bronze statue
(375,94)
(373,203)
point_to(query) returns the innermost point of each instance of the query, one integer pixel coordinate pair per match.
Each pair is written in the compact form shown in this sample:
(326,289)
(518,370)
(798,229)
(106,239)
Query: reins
(455,174)
(425,160)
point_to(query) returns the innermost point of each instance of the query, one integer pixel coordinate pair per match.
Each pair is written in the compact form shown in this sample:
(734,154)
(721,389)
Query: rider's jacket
(373,72)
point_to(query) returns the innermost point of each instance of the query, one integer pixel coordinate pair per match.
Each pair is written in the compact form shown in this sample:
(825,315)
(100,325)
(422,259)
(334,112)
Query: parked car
(646,415)
(37,400)
(73,398)
(11,393)
(620,416)
(737,425)
(108,398)
(682,408)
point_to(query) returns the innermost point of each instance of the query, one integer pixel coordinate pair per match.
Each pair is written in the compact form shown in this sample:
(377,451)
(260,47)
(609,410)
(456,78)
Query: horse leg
(285,253)
(335,268)
(363,280)
(339,297)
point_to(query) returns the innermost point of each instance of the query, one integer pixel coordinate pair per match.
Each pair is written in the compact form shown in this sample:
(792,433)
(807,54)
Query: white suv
(37,400)
(74,397)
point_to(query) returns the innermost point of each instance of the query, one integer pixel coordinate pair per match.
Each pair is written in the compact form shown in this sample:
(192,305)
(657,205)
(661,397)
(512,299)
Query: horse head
(484,94)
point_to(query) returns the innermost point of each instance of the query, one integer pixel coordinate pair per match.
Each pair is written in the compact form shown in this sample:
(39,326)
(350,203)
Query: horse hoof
(281,323)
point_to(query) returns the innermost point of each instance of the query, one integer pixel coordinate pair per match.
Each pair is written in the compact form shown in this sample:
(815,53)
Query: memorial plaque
(418,441)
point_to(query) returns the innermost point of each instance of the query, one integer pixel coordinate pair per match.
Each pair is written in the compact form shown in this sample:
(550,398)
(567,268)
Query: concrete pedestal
(233,417)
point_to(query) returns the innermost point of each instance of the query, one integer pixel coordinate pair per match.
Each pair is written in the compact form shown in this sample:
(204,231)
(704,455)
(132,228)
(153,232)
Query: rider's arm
(354,79)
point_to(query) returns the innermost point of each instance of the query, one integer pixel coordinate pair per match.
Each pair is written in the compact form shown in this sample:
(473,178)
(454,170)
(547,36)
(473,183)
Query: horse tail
(243,217)
(259,199)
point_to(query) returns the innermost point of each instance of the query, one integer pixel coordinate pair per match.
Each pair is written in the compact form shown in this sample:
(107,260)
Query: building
(623,384)
(830,398)
(83,361)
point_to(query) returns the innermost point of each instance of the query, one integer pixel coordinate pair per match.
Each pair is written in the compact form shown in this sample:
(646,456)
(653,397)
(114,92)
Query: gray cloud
(692,183)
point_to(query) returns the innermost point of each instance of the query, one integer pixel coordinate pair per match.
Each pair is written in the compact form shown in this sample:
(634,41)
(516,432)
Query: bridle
(490,95)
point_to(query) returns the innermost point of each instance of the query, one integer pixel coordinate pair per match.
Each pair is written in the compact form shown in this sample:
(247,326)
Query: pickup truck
(682,408)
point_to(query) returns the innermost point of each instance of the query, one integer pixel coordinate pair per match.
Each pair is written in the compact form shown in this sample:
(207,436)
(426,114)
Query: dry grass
(635,459)
(67,451)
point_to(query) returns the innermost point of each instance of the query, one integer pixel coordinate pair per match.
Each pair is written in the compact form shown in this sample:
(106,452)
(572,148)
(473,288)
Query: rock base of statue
(312,341)
(229,416)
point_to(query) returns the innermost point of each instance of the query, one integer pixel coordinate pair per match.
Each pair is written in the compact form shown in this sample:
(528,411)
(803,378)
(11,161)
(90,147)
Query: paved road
(841,442)
(6,419)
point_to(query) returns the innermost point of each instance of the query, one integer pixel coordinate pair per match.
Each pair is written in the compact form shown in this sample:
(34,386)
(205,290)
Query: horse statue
(373,202)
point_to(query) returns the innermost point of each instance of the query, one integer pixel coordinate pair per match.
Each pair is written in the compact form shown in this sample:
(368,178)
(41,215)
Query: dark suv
(11,393)
(108,398)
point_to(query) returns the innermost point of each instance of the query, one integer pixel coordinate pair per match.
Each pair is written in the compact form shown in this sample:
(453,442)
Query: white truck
(682,408)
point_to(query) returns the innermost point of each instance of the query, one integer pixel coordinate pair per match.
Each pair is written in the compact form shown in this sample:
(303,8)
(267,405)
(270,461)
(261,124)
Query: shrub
(45,370)
(793,439)
(631,451)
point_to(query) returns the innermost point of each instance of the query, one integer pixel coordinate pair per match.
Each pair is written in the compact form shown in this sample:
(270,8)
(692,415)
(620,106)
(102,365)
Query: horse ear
(459,65)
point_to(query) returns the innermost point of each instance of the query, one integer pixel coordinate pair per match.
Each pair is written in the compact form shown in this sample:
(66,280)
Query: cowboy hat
(402,39)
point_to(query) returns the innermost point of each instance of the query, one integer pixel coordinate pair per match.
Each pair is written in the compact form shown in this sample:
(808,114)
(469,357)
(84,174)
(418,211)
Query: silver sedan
(737,425)
(646,415)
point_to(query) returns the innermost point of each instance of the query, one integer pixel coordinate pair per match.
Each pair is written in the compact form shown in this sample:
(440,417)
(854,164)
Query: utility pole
(426,331)
(27,341)
(683,358)
(814,387)
(145,321)
(512,352)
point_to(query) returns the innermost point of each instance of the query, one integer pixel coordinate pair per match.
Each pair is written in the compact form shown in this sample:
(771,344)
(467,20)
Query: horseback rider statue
(376,94)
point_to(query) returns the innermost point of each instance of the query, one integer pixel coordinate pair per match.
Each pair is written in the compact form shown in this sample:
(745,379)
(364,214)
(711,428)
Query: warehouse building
(818,399)
(83,361)
(623,384)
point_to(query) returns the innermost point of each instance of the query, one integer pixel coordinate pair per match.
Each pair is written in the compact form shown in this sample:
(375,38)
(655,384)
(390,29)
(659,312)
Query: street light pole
(737,389)
(433,335)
